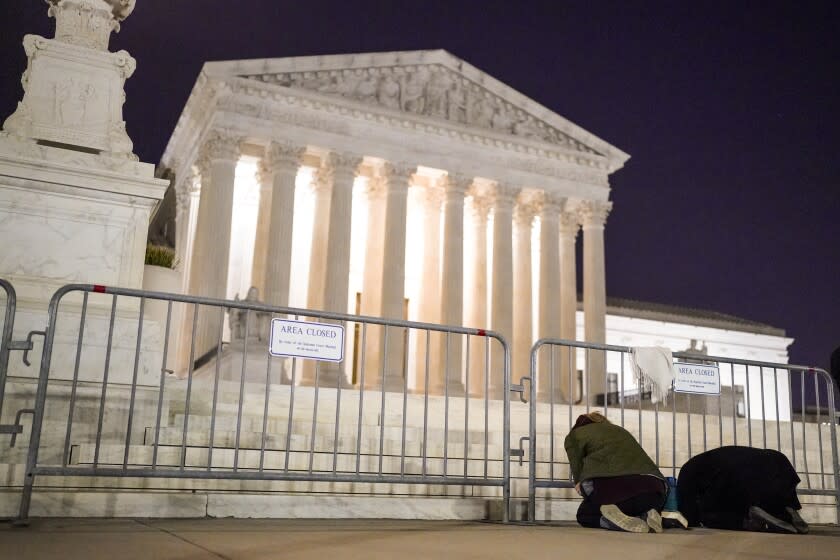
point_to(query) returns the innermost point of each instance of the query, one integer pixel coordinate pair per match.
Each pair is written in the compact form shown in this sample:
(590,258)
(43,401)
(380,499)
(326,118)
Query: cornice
(243,88)
(212,98)
(310,68)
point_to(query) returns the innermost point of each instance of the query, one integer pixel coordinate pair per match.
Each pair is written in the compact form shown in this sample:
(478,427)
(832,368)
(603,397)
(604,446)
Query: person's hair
(591,418)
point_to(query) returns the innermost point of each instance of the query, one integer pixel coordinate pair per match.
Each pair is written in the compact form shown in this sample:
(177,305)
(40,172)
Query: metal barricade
(7,344)
(6,337)
(424,404)
(757,410)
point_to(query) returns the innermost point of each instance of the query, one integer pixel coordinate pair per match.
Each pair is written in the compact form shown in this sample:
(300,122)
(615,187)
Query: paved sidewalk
(249,539)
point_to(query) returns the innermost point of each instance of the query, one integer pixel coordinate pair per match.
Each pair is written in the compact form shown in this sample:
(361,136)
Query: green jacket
(602,450)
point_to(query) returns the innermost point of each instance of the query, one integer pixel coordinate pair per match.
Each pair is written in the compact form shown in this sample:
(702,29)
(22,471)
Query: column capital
(376,187)
(593,213)
(569,223)
(393,170)
(435,194)
(200,168)
(182,199)
(528,205)
(343,165)
(322,180)
(457,183)
(264,176)
(504,196)
(552,205)
(282,156)
(482,201)
(221,145)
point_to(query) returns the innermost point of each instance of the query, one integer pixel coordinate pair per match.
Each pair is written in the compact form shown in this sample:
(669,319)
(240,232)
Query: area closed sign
(697,378)
(304,339)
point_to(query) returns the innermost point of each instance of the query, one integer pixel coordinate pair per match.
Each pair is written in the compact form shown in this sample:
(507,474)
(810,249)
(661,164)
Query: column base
(330,375)
(556,397)
(394,383)
(453,388)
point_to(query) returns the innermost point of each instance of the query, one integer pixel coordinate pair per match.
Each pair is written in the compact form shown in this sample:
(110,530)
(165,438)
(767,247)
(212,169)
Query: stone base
(122,503)
(72,217)
(69,503)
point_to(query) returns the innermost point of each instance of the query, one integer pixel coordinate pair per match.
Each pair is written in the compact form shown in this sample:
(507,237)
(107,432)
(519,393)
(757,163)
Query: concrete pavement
(251,539)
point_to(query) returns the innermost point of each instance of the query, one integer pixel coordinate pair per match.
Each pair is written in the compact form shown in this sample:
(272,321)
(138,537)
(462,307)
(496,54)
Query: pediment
(432,84)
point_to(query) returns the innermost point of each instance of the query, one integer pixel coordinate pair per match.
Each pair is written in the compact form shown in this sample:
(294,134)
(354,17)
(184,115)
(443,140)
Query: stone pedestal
(74,200)
(66,218)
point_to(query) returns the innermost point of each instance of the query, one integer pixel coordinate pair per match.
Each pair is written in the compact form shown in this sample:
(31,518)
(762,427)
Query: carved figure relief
(388,94)
(413,97)
(429,90)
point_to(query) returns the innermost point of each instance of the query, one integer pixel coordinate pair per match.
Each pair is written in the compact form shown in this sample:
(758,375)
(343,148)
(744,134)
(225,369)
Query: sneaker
(797,521)
(654,520)
(674,520)
(616,520)
(760,520)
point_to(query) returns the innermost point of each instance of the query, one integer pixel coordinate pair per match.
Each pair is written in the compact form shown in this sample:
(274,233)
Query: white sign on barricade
(697,378)
(304,339)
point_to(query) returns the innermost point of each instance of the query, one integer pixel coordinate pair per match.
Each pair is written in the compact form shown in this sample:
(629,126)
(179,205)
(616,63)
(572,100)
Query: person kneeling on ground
(742,489)
(621,487)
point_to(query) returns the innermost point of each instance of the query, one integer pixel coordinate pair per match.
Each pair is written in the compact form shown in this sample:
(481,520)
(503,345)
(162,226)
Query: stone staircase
(387,441)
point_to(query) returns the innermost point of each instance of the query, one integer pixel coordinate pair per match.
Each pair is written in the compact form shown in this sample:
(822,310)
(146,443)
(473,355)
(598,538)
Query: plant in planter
(159,255)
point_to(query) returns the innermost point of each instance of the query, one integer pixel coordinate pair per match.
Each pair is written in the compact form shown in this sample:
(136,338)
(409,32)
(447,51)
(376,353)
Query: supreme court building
(403,185)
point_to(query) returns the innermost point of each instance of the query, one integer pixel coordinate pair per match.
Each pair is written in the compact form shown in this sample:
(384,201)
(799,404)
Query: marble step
(392,416)
(200,432)
(346,443)
(199,505)
(276,460)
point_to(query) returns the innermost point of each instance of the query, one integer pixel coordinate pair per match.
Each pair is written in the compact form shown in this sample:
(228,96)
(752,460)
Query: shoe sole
(675,518)
(800,524)
(654,520)
(622,521)
(772,522)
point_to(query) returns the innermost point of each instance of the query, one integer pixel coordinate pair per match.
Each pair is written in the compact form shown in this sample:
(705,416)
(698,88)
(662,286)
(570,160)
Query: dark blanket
(717,488)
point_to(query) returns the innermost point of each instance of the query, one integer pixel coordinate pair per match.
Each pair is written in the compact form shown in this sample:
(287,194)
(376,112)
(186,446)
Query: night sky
(729,110)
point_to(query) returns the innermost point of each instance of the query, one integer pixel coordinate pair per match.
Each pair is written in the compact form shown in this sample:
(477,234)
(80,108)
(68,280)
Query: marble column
(279,169)
(593,215)
(550,308)
(429,298)
(264,180)
(371,304)
(501,311)
(480,204)
(342,169)
(452,277)
(280,166)
(211,254)
(321,188)
(569,227)
(186,216)
(398,176)
(523,217)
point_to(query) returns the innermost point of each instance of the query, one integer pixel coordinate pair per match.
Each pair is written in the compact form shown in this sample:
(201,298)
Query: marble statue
(237,318)
(88,23)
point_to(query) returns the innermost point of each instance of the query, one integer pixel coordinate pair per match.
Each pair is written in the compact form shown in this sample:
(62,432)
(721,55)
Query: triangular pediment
(432,84)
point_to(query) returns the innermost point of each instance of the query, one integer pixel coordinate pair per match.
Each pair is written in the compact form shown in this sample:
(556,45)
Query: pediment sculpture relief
(429,90)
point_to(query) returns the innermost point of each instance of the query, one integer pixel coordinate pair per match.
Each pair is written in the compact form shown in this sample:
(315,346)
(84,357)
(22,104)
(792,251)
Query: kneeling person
(621,487)
(741,488)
